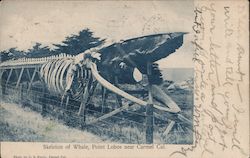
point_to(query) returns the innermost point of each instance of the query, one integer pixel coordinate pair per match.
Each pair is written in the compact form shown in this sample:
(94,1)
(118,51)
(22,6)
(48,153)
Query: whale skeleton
(79,75)
(124,62)
(59,76)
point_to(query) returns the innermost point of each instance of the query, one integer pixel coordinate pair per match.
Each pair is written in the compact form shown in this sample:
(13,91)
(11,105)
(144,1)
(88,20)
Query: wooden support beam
(1,84)
(20,77)
(108,114)
(67,102)
(62,99)
(83,102)
(104,96)
(149,124)
(28,73)
(44,102)
(92,90)
(85,97)
(149,109)
(186,121)
(141,92)
(10,73)
(21,92)
(31,80)
(1,73)
(118,98)
(169,127)
(16,72)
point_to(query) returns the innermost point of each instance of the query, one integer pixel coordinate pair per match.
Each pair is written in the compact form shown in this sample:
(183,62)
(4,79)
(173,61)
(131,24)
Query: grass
(125,127)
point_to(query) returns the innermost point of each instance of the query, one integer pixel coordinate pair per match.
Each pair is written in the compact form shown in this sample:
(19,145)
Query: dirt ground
(22,124)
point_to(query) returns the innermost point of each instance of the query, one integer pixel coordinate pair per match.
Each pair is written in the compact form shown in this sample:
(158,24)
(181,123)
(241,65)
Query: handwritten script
(221,111)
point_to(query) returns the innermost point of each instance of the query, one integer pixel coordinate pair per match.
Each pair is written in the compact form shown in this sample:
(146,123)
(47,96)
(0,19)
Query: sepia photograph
(161,77)
(113,86)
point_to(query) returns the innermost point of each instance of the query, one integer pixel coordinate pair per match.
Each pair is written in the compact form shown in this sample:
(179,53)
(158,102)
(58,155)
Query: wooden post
(20,77)
(21,92)
(28,73)
(23,96)
(149,109)
(118,110)
(31,80)
(118,98)
(44,102)
(104,96)
(67,102)
(10,73)
(92,90)
(16,73)
(1,84)
(169,127)
(84,98)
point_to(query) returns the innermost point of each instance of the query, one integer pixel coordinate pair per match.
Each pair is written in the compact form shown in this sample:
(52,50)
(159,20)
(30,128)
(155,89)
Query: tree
(76,44)
(4,55)
(37,51)
(11,53)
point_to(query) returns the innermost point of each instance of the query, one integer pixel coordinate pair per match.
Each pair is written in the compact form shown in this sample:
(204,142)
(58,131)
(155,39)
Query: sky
(49,22)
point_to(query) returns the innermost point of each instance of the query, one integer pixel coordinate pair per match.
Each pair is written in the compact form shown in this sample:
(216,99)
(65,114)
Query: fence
(128,126)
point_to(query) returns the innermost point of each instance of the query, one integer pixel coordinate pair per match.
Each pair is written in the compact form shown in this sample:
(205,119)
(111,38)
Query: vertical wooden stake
(85,98)
(44,102)
(67,102)
(104,96)
(149,109)
(21,92)
(1,85)
(118,98)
